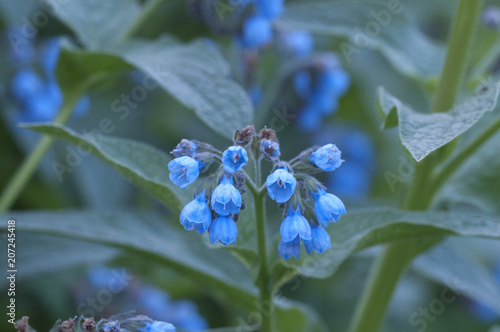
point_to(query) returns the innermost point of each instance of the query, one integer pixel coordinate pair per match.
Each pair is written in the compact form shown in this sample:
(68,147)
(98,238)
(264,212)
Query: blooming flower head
(224,230)
(185,148)
(257,32)
(295,224)
(289,249)
(183,171)
(270,149)
(327,207)
(326,157)
(281,185)
(226,198)
(234,158)
(320,240)
(196,214)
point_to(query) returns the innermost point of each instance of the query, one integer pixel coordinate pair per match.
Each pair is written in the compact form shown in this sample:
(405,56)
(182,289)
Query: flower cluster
(309,208)
(34,88)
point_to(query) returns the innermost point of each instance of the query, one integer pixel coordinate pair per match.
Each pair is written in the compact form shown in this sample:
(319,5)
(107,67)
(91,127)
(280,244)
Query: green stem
(396,257)
(266,302)
(149,10)
(29,165)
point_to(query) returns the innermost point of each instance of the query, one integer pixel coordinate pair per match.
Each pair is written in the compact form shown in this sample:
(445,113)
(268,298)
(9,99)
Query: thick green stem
(396,257)
(30,164)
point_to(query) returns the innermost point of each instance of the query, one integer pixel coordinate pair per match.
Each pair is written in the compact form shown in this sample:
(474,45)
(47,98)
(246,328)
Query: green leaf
(450,265)
(361,229)
(423,133)
(151,236)
(476,182)
(296,316)
(370,25)
(97,24)
(142,164)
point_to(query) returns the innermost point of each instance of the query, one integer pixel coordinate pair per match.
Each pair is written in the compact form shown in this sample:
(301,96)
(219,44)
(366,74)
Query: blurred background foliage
(50,287)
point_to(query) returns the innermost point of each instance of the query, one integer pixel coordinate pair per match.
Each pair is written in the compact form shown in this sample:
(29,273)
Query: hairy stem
(392,263)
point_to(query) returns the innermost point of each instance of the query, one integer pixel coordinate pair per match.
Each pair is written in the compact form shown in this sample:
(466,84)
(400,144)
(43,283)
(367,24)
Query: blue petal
(289,249)
(223,229)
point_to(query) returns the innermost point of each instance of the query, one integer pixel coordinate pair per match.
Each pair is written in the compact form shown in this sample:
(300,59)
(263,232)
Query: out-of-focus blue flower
(281,185)
(186,316)
(196,214)
(320,240)
(491,17)
(50,56)
(185,148)
(302,83)
(289,249)
(295,224)
(255,94)
(82,107)
(481,311)
(257,32)
(270,8)
(226,198)
(298,43)
(270,149)
(326,157)
(25,84)
(183,171)
(158,326)
(100,276)
(327,207)
(224,230)
(234,159)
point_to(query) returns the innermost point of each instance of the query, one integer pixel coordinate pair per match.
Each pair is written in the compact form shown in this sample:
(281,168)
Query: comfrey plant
(218,198)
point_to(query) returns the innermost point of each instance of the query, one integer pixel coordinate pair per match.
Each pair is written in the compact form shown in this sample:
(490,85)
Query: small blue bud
(226,198)
(158,326)
(224,230)
(270,149)
(281,185)
(196,214)
(113,326)
(320,240)
(326,157)
(295,224)
(270,8)
(183,171)
(185,148)
(25,84)
(257,31)
(289,249)
(299,43)
(327,207)
(234,158)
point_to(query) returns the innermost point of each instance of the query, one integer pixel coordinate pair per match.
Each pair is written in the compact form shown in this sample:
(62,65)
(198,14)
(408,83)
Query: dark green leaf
(142,164)
(373,26)
(296,316)
(423,133)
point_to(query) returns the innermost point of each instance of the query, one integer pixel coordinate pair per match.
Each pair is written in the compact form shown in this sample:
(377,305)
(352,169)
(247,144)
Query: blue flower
(183,171)
(302,84)
(25,84)
(196,214)
(185,148)
(327,207)
(158,326)
(320,240)
(326,157)
(257,31)
(281,185)
(234,158)
(223,229)
(295,224)
(50,55)
(299,43)
(289,249)
(226,198)
(270,8)
(270,149)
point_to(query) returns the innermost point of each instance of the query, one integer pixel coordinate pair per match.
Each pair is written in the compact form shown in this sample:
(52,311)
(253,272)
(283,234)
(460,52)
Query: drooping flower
(226,198)
(327,207)
(270,149)
(257,32)
(234,158)
(224,230)
(320,240)
(185,148)
(326,157)
(289,249)
(281,185)
(295,224)
(183,171)
(196,214)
